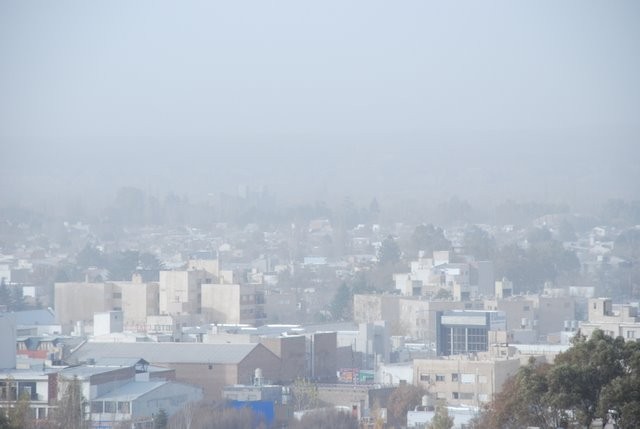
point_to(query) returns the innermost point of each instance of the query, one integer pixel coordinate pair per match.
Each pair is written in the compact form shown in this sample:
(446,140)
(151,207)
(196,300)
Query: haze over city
(311,215)
(527,101)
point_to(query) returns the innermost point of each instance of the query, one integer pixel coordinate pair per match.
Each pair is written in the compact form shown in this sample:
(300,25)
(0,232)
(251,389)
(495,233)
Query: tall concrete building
(464,332)
(460,380)
(614,320)
(77,302)
(139,300)
(179,291)
(233,303)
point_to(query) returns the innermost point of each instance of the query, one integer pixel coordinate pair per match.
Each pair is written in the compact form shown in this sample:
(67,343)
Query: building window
(425,377)
(466,395)
(454,395)
(109,406)
(97,407)
(468,378)
(454,377)
(631,334)
(124,407)
(525,308)
(439,377)
(117,295)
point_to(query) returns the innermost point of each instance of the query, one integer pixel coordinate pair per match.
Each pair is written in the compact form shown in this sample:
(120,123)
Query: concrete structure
(211,266)
(233,303)
(179,291)
(614,320)
(37,322)
(421,417)
(7,341)
(138,402)
(553,311)
(120,390)
(461,380)
(407,316)
(77,302)
(463,331)
(369,345)
(394,373)
(108,323)
(209,366)
(35,384)
(139,300)
(292,353)
(519,311)
(322,347)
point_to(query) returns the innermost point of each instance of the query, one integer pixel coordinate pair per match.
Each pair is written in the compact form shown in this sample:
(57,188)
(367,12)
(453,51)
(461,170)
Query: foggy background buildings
(410,101)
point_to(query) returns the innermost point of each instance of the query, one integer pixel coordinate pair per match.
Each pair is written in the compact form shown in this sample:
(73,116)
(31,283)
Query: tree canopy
(597,378)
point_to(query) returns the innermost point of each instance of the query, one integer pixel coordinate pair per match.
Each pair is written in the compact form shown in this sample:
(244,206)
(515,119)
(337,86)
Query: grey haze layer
(482,100)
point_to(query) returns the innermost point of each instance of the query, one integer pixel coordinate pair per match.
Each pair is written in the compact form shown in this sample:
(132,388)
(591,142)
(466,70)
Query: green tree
(5,293)
(19,416)
(160,420)
(594,376)
(389,252)
(428,238)
(479,243)
(341,303)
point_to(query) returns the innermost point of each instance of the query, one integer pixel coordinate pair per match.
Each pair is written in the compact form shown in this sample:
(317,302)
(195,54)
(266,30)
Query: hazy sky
(535,99)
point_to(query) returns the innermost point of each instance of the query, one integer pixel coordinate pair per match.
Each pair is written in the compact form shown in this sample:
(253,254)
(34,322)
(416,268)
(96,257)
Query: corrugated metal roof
(165,352)
(131,391)
(35,317)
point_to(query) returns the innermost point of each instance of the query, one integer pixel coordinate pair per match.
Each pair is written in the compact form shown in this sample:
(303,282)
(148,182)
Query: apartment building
(77,302)
(233,303)
(614,320)
(464,380)
(467,331)
(180,291)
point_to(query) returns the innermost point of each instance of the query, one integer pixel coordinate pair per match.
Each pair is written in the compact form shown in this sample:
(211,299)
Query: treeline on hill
(597,378)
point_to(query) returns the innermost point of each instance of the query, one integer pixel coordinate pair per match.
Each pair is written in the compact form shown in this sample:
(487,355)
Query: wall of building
(7,341)
(170,397)
(179,291)
(221,303)
(139,300)
(324,356)
(292,354)
(463,381)
(260,357)
(79,301)
(211,377)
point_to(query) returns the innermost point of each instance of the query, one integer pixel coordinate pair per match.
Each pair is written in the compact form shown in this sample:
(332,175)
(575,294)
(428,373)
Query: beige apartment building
(78,301)
(139,301)
(180,291)
(520,311)
(614,320)
(233,303)
(406,315)
(463,380)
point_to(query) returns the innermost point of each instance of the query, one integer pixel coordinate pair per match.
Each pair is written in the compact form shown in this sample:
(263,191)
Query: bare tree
(70,411)
(305,394)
